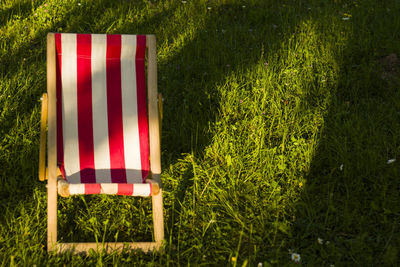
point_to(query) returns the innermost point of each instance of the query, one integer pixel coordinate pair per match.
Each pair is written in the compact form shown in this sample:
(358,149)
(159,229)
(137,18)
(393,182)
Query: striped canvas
(143,190)
(102,125)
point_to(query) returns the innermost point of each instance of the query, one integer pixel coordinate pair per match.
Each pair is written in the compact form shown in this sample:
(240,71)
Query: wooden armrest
(42,151)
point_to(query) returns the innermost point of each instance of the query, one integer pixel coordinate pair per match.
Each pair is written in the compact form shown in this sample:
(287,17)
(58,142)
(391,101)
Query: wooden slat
(158,217)
(154,126)
(108,246)
(52,145)
(42,151)
(154,132)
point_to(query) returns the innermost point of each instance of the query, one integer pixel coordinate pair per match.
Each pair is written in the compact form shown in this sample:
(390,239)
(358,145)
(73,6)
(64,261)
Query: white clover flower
(209,8)
(79,4)
(295,257)
(390,161)
(320,241)
(184,2)
(259,264)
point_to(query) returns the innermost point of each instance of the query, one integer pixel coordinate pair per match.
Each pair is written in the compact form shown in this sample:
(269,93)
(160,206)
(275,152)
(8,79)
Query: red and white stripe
(102,125)
(141,190)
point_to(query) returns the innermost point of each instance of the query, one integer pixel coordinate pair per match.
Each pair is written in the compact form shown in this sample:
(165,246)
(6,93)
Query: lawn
(280,133)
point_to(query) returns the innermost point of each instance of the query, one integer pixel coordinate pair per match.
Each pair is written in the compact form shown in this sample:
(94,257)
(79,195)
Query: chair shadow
(192,101)
(348,206)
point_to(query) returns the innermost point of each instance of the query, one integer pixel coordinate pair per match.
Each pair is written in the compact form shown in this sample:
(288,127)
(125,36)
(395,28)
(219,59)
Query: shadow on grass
(231,40)
(348,213)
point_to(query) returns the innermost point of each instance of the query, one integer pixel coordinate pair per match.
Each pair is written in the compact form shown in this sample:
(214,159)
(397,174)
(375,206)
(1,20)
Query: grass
(279,120)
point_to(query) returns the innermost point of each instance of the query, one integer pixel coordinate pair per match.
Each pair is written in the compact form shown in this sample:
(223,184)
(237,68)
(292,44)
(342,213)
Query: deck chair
(103,130)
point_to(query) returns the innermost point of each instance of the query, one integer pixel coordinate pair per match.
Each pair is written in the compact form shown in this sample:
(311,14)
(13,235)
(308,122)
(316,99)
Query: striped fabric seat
(102,124)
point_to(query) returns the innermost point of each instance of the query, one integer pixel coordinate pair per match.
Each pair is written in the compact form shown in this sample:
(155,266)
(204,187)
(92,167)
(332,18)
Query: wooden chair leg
(158,218)
(52,215)
(52,145)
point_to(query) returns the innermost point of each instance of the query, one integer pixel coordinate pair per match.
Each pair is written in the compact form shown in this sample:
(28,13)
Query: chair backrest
(102,123)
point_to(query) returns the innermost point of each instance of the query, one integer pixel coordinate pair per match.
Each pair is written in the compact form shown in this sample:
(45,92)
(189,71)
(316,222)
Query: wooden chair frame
(49,118)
